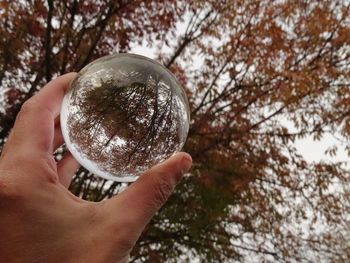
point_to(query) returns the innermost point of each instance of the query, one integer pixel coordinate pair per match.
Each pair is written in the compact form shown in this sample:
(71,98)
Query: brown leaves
(259,75)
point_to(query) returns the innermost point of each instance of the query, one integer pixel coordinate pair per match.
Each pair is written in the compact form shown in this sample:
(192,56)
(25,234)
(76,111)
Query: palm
(41,221)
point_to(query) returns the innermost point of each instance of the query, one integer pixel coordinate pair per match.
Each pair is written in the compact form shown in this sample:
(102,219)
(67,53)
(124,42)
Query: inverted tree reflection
(130,121)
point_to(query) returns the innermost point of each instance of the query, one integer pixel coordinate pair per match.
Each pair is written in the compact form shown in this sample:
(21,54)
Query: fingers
(50,97)
(138,203)
(66,168)
(34,126)
(58,137)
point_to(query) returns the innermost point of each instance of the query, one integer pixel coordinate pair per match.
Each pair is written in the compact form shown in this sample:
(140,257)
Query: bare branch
(48,41)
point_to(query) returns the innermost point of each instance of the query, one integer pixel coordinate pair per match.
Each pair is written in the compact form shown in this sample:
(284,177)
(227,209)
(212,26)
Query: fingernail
(186,163)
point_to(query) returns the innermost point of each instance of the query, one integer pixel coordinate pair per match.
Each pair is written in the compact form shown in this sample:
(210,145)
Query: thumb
(138,203)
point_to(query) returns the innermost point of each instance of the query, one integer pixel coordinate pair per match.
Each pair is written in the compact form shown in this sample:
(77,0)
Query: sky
(315,150)
(312,151)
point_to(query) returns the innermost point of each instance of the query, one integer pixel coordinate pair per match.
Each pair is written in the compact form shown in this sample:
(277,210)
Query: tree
(134,119)
(264,66)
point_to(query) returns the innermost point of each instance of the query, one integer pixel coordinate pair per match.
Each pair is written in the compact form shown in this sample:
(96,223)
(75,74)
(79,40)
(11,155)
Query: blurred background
(269,90)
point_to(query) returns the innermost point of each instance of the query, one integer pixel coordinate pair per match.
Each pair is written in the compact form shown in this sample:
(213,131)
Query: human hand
(41,221)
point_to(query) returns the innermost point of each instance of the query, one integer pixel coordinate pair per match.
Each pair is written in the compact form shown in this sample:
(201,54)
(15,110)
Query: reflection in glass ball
(123,114)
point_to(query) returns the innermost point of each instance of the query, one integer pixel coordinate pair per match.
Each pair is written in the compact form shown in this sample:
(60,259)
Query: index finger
(50,97)
(34,126)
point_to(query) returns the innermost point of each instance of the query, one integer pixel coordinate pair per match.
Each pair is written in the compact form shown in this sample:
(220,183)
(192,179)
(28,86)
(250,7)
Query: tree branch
(68,36)
(103,24)
(48,41)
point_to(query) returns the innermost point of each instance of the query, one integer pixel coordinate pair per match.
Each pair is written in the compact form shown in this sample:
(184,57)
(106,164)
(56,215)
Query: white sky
(312,151)
(315,150)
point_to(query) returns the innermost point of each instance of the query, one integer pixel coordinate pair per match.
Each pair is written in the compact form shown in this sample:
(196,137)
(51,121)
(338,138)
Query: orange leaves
(343,36)
(13,96)
(180,74)
(246,66)
(36,28)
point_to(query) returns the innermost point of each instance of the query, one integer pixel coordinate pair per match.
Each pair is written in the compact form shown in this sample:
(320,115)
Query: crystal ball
(123,114)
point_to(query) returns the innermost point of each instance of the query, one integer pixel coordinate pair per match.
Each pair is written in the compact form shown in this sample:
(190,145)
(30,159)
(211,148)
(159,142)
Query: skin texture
(41,221)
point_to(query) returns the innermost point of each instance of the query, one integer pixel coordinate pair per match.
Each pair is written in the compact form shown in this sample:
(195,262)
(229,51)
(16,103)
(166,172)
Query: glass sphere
(123,114)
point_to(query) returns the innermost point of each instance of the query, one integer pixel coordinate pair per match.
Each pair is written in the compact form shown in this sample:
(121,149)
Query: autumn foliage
(259,76)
